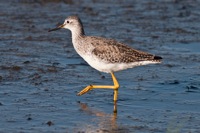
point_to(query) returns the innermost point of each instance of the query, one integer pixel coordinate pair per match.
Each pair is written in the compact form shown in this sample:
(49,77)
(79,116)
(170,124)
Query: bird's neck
(77,34)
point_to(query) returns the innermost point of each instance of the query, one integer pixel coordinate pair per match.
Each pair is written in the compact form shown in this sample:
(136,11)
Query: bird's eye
(67,21)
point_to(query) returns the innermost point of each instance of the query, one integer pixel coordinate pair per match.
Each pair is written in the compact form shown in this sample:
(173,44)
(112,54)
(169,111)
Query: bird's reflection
(105,122)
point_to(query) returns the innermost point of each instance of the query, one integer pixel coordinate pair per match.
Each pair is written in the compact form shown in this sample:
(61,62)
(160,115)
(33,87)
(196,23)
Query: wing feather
(115,52)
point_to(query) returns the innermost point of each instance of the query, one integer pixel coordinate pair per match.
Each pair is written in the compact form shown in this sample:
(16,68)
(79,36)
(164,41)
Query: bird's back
(115,52)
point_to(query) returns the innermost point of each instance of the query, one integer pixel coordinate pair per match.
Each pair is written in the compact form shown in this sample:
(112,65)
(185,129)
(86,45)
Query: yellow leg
(116,84)
(115,87)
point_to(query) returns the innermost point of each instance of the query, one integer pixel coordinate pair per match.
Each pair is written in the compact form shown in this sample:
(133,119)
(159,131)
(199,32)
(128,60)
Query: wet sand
(40,72)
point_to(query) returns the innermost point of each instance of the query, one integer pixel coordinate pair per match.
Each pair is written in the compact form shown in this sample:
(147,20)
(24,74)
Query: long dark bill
(57,28)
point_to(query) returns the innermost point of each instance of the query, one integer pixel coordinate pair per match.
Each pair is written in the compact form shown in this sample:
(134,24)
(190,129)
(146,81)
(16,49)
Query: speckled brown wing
(118,52)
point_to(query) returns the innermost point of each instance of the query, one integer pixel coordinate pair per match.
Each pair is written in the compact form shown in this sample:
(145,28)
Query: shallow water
(40,72)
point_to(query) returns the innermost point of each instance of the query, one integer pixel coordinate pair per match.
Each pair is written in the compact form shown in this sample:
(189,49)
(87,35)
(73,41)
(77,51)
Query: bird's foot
(88,88)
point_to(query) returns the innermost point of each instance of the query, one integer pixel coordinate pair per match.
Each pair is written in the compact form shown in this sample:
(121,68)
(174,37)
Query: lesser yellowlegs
(105,55)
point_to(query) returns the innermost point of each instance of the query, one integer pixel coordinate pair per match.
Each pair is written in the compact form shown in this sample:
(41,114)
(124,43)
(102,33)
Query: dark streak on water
(40,73)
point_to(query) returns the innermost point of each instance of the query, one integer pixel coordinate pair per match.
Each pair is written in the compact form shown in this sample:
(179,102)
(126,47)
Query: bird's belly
(107,67)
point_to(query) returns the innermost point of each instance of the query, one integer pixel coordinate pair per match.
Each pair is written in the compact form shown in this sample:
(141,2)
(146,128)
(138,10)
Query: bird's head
(71,23)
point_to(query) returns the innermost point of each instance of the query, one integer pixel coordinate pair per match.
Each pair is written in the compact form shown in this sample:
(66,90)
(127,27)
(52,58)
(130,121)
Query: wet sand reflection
(104,122)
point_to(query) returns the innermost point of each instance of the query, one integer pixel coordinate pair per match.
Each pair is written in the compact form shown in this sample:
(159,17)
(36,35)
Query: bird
(104,54)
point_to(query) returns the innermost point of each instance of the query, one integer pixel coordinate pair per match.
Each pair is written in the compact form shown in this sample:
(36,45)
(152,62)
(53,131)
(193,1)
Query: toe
(88,88)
